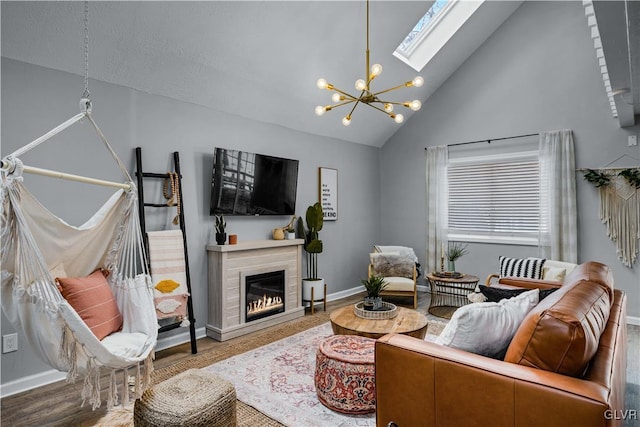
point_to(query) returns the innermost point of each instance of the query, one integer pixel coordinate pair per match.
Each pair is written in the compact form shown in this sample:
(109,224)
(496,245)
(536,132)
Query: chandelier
(367,96)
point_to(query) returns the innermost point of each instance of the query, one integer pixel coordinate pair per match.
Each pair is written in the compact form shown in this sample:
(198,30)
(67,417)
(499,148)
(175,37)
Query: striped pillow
(530,268)
(92,299)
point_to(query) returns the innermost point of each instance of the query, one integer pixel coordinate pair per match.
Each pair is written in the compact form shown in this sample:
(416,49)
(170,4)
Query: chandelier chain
(86,94)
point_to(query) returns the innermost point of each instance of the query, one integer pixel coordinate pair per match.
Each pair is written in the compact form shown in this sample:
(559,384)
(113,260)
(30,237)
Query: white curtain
(437,202)
(558,238)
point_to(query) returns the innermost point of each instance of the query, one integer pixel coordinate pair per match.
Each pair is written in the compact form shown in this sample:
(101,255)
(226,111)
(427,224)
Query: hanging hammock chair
(36,245)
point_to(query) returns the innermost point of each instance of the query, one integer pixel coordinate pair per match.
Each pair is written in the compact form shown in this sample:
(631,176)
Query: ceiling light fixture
(366,96)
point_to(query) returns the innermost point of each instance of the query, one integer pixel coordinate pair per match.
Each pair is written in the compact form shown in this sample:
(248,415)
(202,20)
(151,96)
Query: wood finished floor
(58,404)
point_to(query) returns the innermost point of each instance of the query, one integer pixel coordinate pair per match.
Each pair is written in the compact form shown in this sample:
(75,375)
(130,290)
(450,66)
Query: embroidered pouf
(192,398)
(345,374)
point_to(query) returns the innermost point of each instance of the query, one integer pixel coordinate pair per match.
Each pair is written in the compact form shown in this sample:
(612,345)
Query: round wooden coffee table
(408,322)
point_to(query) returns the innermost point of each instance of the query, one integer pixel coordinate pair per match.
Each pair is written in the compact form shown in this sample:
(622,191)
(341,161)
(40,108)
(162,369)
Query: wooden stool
(192,398)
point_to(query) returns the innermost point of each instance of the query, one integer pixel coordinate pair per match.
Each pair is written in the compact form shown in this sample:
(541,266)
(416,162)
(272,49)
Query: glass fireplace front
(264,295)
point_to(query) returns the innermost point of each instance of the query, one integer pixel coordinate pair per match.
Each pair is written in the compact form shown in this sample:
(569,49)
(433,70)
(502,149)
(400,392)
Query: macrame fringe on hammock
(620,211)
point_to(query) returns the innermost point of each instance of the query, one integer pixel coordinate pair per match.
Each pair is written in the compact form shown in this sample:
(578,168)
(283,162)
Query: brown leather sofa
(566,366)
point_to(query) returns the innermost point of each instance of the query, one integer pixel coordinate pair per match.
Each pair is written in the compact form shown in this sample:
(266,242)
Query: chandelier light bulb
(322,84)
(376,70)
(365,94)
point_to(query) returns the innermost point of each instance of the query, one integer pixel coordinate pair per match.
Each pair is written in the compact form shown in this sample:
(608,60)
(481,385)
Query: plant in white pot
(313,247)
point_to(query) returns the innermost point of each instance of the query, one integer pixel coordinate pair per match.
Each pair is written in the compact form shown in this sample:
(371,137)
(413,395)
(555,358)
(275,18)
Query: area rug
(277,380)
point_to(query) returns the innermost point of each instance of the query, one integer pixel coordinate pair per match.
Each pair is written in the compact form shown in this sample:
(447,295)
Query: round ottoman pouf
(192,398)
(345,374)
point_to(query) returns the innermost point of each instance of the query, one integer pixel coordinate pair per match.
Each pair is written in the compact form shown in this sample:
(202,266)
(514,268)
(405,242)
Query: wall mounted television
(252,184)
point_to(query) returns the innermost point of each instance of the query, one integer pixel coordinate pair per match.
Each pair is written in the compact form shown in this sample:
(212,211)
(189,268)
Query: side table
(448,293)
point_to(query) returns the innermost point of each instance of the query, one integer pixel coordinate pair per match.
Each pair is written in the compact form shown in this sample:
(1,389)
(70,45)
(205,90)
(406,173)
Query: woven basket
(192,398)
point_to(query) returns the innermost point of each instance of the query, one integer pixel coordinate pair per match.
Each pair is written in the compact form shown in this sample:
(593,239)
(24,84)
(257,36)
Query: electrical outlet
(9,343)
(633,140)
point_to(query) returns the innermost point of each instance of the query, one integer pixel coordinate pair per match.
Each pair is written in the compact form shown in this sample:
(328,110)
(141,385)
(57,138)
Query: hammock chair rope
(33,240)
(30,297)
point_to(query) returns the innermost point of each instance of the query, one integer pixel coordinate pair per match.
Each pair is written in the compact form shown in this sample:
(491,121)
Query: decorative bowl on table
(448,274)
(386,311)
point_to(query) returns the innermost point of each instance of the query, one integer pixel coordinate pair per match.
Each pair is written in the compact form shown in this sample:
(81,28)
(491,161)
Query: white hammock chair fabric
(35,241)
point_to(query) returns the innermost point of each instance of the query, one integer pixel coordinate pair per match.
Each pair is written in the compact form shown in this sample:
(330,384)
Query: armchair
(399,272)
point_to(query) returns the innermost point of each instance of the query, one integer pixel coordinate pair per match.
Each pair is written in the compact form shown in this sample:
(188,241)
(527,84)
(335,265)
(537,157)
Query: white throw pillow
(487,328)
(555,274)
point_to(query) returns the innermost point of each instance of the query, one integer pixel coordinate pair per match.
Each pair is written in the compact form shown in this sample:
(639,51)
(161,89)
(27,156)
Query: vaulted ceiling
(256,59)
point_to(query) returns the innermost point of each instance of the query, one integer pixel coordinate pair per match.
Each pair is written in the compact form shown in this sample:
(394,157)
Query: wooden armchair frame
(413,293)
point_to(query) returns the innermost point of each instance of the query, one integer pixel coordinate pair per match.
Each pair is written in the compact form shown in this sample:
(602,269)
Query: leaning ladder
(141,204)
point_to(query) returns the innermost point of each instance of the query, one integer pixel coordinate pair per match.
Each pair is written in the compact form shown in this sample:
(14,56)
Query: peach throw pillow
(92,299)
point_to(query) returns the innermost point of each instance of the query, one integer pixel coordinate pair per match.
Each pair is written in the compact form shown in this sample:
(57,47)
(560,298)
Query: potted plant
(313,247)
(456,250)
(221,233)
(374,285)
(291,233)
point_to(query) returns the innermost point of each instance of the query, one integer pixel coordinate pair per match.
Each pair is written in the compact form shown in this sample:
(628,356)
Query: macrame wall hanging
(619,190)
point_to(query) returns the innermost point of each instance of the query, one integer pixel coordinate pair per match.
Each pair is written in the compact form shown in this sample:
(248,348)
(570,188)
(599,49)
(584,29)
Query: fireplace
(264,295)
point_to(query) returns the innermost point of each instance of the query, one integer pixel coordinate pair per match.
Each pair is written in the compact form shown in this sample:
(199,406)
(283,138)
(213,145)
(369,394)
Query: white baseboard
(347,293)
(51,376)
(181,338)
(30,382)
(632,320)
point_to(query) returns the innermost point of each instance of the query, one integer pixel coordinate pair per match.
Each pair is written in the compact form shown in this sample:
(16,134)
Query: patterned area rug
(277,380)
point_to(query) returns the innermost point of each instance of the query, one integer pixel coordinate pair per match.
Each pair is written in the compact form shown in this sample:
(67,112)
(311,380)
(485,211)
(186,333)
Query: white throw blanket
(168,273)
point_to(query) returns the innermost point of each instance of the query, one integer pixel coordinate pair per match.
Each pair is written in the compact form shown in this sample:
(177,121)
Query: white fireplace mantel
(228,267)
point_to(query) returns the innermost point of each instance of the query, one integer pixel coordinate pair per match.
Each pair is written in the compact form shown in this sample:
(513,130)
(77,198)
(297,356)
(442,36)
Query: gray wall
(35,99)
(537,72)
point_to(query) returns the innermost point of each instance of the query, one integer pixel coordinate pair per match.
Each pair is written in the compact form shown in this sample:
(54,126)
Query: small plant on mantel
(221,230)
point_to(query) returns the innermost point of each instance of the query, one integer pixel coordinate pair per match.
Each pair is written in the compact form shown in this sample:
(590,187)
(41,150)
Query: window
(495,199)
(410,41)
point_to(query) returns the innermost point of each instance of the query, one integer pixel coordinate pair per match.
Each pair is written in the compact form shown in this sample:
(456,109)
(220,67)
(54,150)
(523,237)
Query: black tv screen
(252,184)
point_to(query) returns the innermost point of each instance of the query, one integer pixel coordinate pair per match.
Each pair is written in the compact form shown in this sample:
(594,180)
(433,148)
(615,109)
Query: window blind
(496,198)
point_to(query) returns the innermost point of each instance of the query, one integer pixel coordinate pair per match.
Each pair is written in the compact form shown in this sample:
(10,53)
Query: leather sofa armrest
(426,384)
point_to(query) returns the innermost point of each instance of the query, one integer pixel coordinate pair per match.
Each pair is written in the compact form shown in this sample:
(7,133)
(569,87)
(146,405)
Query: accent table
(449,293)
(408,322)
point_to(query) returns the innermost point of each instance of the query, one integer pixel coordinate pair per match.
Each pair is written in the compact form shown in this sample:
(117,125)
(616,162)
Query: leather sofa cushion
(561,334)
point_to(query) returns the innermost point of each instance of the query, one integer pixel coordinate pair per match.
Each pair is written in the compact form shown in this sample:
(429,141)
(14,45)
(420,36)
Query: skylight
(434,30)
(423,24)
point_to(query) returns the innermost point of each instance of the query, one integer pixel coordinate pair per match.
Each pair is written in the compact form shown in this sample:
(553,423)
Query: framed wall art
(329,193)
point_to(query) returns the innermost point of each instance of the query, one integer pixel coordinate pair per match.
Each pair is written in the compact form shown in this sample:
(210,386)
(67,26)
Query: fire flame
(263,304)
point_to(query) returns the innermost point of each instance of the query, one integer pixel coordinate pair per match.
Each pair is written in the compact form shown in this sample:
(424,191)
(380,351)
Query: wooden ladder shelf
(142,205)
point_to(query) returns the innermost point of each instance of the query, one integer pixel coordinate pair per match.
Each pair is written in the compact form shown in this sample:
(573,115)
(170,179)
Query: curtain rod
(491,139)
